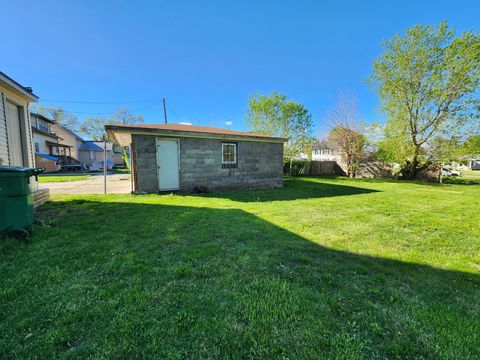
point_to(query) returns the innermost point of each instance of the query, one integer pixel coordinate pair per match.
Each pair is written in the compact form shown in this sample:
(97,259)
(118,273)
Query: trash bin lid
(14,169)
(19,170)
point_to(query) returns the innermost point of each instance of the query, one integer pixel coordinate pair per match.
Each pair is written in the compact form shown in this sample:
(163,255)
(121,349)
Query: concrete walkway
(116,184)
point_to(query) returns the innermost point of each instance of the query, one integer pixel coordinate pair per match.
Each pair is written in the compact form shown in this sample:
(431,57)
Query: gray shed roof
(95,146)
(323,144)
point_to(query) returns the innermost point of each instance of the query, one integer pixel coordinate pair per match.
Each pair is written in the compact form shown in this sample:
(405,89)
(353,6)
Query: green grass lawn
(119,171)
(62,178)
(471,174)
(469,177)
(323,268)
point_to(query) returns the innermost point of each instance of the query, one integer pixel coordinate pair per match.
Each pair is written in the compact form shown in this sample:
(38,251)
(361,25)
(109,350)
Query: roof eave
(34,129)
(15,87)
(42,117)
(112,129)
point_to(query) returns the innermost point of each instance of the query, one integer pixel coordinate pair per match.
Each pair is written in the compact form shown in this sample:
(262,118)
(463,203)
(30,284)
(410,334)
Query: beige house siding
(4,160)
(67,138)
(26,130)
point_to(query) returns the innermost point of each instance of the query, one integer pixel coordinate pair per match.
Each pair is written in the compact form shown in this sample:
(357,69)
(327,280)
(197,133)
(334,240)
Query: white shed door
(14,134)
(167,162)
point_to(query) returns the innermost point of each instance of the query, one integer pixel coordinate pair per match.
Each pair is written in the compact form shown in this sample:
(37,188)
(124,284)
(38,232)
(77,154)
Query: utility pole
(165,110)
(105,166)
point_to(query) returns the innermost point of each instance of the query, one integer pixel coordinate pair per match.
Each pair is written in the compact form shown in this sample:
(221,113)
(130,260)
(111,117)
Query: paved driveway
(116,184)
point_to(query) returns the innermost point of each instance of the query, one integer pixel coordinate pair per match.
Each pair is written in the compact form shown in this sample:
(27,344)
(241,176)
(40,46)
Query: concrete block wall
(260,164)
(146,163)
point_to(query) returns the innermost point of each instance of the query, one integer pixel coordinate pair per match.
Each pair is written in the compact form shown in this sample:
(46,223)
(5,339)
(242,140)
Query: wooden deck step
(40,197)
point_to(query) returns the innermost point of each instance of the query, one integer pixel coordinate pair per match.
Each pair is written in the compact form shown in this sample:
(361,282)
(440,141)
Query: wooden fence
(313,168)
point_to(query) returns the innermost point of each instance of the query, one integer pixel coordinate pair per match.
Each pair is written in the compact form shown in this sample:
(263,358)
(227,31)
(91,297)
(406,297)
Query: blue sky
(207,57)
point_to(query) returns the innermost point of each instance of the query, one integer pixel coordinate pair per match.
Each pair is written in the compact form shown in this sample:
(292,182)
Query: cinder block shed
(167,157)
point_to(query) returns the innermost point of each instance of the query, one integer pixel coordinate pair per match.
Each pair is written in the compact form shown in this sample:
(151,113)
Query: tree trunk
(412,172)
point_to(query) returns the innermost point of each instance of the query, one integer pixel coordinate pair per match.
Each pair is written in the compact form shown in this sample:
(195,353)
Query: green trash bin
(16,197)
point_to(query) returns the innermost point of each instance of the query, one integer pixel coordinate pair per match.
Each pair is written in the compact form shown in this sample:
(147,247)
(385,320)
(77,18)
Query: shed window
(229,154)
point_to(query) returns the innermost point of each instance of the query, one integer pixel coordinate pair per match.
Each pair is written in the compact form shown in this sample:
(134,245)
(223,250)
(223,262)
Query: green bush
(460,180)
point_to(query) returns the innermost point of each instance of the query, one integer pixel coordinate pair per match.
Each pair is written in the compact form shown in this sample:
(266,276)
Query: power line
(108,113)
(173,111)
(98,102)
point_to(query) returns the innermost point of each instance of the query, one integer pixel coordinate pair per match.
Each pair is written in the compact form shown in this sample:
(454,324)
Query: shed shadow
(293,189)
(187,274)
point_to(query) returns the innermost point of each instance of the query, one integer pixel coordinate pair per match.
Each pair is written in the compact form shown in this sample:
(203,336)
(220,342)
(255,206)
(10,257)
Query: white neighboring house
(45,143)
(323,151)
(44,140)
(474,164)
(16,148)
(301,156)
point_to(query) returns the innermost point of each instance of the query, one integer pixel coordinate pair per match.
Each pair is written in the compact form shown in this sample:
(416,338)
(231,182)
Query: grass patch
(62,178)
(471,174)
(469,177)
(323,268)
(119,171)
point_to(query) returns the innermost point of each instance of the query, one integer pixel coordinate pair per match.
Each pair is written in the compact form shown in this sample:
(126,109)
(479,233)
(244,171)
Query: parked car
(450,172)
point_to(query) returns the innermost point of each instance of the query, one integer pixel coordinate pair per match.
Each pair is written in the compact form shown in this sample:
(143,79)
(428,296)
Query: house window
(229,155)
(92,155)
(43,126)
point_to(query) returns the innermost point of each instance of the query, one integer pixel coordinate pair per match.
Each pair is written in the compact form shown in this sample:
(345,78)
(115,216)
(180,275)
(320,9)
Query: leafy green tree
(94,127)
(60,116)
(275,115)
(471,146)
(427,80)
(124,117)
(395,145)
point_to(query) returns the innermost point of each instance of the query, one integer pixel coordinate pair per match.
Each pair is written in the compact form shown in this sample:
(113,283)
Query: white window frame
(43,126)
(235,154)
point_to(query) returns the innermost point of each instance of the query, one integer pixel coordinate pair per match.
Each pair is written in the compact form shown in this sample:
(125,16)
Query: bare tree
(346,134)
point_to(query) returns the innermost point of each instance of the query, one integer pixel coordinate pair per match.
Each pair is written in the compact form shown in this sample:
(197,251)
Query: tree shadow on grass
(130,280)
(293,189)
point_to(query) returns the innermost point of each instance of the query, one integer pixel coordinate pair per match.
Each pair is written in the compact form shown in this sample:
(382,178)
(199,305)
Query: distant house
(169,157)
(71,143)
(91,154)
(324,151)
(118,159)
(55,142)
(474,164)
(45,143)
(16,148)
